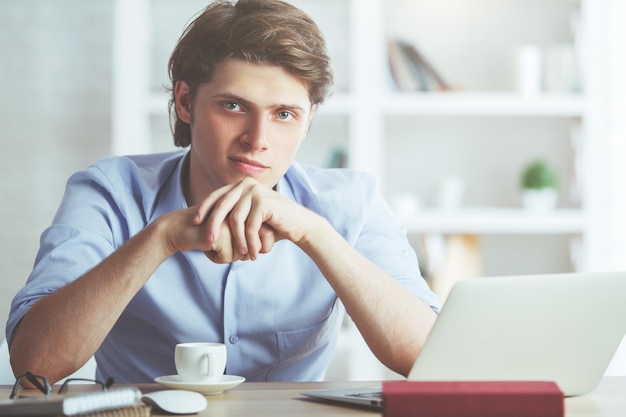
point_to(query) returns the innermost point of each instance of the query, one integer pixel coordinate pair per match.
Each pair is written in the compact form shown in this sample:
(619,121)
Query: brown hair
(259,31)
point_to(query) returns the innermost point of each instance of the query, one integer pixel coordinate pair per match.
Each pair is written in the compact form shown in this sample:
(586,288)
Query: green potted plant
(539,185)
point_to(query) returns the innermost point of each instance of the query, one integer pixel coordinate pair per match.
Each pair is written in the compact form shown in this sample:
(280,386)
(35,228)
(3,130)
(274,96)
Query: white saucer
(211,388)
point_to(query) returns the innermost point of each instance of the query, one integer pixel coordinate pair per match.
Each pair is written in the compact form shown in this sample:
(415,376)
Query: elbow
(21,362)
(402,360)
(24,359)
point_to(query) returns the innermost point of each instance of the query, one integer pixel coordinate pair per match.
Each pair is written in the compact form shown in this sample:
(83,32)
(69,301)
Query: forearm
(64,329)
(393,321)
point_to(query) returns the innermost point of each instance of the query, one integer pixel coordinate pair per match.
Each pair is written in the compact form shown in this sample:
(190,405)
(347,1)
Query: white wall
(54,117)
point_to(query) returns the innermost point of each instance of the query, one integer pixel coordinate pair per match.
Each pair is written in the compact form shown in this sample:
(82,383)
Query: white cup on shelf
(405,205)
(451,192)
(560,68)
(529,69)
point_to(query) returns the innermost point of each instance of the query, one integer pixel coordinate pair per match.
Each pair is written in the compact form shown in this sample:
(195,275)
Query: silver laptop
(558,327)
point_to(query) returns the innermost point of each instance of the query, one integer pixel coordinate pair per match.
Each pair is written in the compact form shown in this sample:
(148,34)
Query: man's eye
(284,115)
(231,106)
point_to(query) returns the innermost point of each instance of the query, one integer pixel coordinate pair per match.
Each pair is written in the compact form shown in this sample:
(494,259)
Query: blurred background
(448,102)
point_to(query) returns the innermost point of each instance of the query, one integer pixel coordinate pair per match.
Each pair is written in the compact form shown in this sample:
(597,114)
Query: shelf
(484,104)
(496,221)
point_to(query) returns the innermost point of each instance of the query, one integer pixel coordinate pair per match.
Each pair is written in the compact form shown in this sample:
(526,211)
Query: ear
(183,101)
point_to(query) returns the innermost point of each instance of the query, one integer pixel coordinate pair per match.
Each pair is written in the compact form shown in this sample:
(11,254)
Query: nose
(255,135)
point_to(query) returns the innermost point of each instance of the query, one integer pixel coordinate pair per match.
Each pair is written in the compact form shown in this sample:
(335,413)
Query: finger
(213,256)
(218,257)
(254,223)
(268,238)
(203,209)
(237,220)
(220,211)
(221,250)
(223,255)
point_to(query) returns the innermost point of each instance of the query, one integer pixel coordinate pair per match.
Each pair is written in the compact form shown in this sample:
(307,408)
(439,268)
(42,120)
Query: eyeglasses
(42,384)
(39,382)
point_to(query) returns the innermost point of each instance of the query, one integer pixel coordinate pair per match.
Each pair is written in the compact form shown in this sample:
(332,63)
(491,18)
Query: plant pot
(542,199)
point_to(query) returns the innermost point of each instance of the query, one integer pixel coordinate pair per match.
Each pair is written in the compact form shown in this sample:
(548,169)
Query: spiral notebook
(99,403)
(138,410)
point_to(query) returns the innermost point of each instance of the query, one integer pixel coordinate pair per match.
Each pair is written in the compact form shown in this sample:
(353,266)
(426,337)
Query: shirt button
(233,339)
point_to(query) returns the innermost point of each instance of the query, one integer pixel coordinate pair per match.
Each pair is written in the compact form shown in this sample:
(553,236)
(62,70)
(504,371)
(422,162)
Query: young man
(230,240)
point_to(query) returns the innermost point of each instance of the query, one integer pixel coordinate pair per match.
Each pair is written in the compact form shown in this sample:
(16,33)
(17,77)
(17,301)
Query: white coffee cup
(200,362)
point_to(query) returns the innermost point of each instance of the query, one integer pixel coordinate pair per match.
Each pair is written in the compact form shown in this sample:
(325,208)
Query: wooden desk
(607,400)
(284,399)
(278,399)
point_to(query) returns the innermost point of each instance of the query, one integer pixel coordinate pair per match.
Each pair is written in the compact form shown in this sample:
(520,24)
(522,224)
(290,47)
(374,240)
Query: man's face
(247,122)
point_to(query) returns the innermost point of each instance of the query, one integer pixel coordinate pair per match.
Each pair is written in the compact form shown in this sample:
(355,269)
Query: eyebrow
(234,97)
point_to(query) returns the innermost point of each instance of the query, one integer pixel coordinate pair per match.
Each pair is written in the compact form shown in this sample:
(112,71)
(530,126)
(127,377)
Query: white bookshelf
(508,221)
(484,104)
(374,123)
(483,131)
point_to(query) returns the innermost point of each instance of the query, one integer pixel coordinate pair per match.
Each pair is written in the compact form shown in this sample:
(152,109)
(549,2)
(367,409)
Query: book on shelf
(117,401)
(400,67)
(411,70)
(417,66)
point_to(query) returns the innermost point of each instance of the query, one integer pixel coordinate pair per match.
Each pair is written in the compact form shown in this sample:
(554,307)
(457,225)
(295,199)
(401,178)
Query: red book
(472,399)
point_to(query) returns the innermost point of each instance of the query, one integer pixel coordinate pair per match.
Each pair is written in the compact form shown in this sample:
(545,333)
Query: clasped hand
(238,222)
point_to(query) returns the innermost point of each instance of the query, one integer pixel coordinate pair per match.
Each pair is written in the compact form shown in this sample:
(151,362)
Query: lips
(249,166)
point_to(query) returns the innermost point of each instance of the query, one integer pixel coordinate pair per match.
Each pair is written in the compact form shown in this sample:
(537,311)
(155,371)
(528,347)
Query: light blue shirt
(278,316)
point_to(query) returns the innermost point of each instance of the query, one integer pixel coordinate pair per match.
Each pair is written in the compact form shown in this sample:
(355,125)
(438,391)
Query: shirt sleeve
(351,201)
(383,240)
(86,229)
